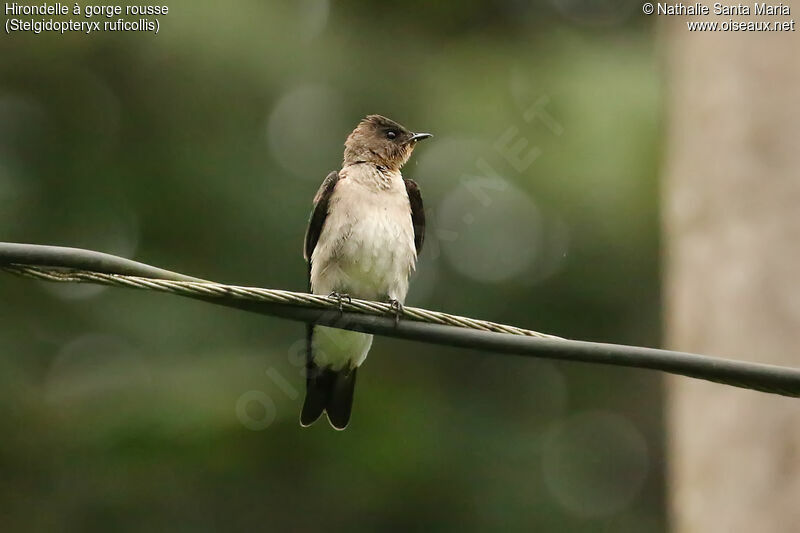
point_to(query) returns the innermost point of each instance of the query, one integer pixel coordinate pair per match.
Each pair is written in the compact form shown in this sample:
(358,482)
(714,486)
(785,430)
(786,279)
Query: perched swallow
(362,241)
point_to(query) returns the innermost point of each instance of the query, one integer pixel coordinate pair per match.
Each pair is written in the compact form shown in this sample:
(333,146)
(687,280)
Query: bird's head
(382,141)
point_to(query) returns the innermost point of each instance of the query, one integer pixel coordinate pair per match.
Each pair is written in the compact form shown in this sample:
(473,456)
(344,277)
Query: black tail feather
(318,387)
(340,401)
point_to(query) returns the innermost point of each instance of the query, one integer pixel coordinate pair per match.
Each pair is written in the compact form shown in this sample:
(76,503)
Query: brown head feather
(381,141)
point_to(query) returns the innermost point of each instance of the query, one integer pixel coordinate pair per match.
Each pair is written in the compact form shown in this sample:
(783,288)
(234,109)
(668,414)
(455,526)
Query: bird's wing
(317,220)
(417,213)
(325,389)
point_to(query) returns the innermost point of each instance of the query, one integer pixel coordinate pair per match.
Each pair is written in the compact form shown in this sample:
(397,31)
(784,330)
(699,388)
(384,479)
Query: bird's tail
(329,391)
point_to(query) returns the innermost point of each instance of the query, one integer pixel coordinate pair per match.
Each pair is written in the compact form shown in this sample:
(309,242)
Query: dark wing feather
(319,214)
(417,213)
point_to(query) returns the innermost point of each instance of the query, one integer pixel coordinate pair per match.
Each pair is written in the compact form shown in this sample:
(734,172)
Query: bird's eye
(391,134)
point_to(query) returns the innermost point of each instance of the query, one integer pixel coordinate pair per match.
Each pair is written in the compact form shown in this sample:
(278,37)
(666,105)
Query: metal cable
(208,289)
(75,265)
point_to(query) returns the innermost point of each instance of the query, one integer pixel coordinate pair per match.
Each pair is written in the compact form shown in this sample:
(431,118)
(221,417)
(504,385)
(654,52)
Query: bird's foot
(340,297)
(397,309)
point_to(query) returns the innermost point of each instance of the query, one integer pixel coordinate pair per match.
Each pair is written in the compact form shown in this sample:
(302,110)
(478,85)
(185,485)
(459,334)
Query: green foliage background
(199,150)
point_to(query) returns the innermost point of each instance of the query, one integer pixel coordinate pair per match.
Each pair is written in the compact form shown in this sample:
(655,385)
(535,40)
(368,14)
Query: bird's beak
(418,137)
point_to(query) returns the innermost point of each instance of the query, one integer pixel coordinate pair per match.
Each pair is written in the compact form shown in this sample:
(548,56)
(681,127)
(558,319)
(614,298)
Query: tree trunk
(732,226)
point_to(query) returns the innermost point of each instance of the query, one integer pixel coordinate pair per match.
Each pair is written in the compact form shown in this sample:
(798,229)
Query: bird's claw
(340,298)
(397,310)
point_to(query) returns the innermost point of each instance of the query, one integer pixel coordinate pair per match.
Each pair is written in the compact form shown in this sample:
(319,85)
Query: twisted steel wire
(211,289)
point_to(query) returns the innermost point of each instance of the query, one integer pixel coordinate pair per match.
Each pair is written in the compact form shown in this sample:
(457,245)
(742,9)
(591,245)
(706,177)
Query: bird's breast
(366,248)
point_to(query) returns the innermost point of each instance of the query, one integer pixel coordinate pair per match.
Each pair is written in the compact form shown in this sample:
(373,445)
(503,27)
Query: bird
(364,235)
